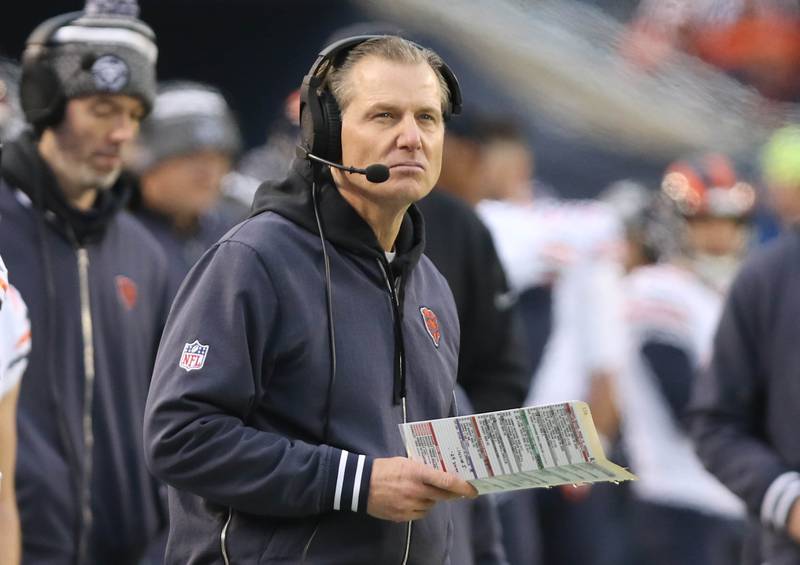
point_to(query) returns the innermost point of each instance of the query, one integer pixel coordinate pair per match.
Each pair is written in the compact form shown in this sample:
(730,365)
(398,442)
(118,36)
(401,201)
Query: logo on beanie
(110,73)
(431,325)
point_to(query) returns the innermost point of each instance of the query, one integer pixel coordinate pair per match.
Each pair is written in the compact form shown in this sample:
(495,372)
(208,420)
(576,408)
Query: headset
(320,115)
(41,89)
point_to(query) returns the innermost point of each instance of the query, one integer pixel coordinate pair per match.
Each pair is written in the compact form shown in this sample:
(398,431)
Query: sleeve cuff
(351,473)
(779,498)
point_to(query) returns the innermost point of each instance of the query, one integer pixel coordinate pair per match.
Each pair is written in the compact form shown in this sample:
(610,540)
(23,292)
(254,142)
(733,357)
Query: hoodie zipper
(88,402)
(408,527)
(223,538)
(400,375)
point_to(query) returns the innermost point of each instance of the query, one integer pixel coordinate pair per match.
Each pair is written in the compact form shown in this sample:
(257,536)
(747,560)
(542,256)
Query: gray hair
(390,48)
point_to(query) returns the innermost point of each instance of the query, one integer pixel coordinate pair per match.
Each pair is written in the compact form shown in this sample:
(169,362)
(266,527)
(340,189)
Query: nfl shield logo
(431,325)
(193,356)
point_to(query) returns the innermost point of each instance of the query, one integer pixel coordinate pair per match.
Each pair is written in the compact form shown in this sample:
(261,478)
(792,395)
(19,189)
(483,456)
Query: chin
(409,190)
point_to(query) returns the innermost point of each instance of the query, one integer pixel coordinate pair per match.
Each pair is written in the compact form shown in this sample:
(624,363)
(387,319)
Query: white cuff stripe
(357,483)
(337,497)
(113,36)
(774,495)
(785,502)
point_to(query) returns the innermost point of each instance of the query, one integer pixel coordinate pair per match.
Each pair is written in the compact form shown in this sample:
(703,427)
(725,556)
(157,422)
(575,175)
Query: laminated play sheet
(535,446)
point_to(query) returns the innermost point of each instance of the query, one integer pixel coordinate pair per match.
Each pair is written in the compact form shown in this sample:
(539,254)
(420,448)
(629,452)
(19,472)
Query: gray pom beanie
(187,117)
(104,49)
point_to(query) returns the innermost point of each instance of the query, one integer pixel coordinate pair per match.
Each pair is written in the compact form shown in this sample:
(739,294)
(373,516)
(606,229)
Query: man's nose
(410,136)
(125,129)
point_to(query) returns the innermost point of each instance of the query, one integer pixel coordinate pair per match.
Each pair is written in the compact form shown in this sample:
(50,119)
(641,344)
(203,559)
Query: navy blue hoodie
(71,493)
(746,406)
(243,388)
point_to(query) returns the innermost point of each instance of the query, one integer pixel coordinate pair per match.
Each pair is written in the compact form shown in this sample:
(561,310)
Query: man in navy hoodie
(94,281)
(290,356)
(746,406)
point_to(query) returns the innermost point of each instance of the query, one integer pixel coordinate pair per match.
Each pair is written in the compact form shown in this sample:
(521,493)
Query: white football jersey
(668,304)
(15,334)
(575,246)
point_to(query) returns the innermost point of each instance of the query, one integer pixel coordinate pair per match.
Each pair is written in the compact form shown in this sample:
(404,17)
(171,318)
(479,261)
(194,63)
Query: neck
(77,195)
(385,223)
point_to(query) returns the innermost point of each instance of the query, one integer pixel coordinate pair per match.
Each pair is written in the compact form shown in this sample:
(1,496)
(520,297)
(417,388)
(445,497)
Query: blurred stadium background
(558,65)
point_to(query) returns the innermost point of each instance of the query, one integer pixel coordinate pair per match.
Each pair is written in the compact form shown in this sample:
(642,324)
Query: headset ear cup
(306,127)
(40,92)
(333,127)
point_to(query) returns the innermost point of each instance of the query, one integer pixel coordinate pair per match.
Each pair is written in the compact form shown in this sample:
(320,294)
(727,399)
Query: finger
(433,494)
(449,482)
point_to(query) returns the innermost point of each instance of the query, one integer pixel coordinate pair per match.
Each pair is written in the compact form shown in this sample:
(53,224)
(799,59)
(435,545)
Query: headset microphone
(376,172)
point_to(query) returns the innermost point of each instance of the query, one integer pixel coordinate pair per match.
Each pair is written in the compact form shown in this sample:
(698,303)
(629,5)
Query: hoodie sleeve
(728,404)
(217,339)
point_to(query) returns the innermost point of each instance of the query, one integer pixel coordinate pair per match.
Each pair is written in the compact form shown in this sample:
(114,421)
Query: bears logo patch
(193,356)
(431,325)
(127,291)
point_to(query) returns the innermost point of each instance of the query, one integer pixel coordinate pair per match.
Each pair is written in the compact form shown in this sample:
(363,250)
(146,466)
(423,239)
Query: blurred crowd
(666,306)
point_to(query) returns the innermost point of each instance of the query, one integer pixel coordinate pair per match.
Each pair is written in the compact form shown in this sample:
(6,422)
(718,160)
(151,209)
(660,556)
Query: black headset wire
(329,300)
(331,339)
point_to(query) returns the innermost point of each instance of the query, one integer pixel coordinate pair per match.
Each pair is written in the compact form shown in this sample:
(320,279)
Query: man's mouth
(408,166)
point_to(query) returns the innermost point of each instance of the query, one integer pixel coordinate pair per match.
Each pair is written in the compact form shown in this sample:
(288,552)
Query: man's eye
(384,115)
(102,109)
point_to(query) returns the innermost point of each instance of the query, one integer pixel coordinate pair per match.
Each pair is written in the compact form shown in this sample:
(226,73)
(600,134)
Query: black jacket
(47,244)
(243,388)
(184,249)
(493,365)
(746,406)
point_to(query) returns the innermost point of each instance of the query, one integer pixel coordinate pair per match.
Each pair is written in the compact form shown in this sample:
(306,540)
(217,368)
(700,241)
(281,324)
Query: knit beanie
(187,117)
(105,49)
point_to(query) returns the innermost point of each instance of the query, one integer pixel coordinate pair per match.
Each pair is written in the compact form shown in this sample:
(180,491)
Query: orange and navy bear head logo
(127,291)
(431,325)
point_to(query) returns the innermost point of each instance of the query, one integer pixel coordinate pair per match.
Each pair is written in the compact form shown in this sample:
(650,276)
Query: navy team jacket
(242,388)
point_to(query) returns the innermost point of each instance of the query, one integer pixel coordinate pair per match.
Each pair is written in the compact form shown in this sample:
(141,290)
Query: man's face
(92,136)
(717,236)
(393,118)
(785,201)
(186,186)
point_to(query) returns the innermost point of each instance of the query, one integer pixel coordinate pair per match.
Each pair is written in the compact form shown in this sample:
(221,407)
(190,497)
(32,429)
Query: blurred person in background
(681,514)
(15,345)
(185,148)
(572,246)
(780,172)
(745,405)
(12,122)
(563,255)
(493,370)
(270,161)
(94,281)
(717,207)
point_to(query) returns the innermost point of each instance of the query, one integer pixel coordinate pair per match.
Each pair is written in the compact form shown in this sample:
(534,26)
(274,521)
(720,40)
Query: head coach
(302,339)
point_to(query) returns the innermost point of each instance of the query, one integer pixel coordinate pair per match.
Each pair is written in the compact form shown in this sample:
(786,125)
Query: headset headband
(320,115)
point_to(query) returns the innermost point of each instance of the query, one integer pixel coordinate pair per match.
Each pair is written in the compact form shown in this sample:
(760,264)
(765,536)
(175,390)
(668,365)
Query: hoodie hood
(343,226)
(25,169)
